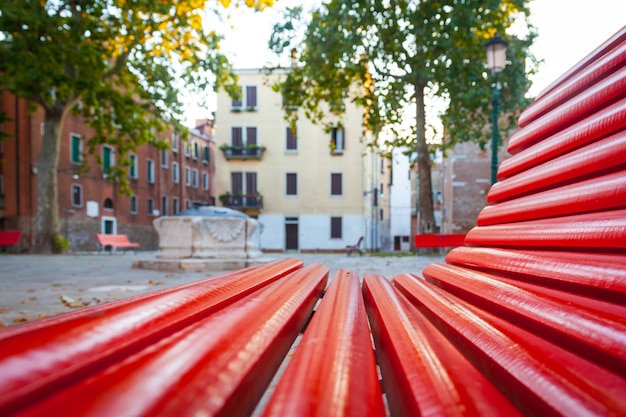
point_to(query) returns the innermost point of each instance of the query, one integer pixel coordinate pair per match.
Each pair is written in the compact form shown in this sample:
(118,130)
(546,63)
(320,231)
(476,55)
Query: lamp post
(496,60)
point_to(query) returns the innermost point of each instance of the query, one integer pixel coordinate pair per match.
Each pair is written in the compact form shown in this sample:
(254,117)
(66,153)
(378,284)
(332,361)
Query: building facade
(312,189)
(162,182)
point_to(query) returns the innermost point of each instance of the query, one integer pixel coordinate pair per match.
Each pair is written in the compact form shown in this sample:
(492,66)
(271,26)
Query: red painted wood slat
(586,330)
(76,345)
(218,366)
(595,127)
(596,194)
(598,275)
(540,378)
(333,371)
(602,231)
(423,373)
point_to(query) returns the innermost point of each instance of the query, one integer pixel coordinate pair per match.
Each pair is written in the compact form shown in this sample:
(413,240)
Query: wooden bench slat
(595,127)
(595,71)
(73,345)
(423,373)
(333,371)
(582,105)
(230,357)
(597,159)
(587,330)
(598,275)
(602,231)
(607,192)
(539,377)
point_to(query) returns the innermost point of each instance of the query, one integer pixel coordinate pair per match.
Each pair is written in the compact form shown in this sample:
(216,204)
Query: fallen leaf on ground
(20,319)
(71,302)
(5,309)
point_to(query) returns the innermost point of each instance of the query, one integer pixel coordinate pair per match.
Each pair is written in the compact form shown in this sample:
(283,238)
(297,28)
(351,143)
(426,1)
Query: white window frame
(194,178)
(150,206)
(187,176)
(150,171)
(175,142)
(196,151)
(165,160)
(175,205)
(134,201)
(133,167)
(175,173)
(80,148)
(164,206)
(187,149)
(205,180)
(80,188)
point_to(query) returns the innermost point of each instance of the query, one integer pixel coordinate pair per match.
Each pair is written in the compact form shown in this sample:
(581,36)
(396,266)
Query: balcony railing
(243,152)
(243,202)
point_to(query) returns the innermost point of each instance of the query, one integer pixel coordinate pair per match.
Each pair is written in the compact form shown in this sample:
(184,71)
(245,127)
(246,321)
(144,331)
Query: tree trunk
(425,209)
(47,225)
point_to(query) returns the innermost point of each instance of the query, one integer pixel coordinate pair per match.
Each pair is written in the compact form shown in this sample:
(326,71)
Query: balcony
(250,204)
(243,152)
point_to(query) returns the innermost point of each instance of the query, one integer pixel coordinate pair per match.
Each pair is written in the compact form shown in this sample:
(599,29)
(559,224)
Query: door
(291,234)
(109,227)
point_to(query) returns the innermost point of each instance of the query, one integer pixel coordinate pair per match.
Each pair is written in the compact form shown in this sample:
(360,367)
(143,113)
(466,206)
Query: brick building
(163,182)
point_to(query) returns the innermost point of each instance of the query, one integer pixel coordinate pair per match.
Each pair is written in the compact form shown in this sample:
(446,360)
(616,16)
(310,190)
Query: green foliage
(60,244)
(395,51)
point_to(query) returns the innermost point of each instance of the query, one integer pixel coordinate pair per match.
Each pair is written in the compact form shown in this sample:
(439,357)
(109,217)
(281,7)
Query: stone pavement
(33,287)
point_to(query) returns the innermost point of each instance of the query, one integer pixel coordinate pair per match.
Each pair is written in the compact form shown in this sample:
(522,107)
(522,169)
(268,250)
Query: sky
(568,30)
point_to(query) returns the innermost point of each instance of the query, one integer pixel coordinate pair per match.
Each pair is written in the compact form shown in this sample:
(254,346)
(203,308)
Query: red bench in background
(9,237)
(439,240)
(528,318)
(115,241)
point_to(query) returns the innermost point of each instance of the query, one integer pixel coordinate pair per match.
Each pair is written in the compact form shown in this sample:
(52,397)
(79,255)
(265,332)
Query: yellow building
(319,191)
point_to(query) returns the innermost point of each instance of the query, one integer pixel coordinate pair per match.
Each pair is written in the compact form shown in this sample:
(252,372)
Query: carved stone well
(205,238)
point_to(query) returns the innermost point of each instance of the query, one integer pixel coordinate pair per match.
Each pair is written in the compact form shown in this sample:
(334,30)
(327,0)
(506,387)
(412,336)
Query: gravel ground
(33,287)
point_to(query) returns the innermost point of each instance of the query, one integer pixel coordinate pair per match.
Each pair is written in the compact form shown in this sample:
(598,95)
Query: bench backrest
(105,239)
(536,299)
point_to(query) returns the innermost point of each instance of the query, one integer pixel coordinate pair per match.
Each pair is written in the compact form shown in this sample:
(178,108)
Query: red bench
(528,318)
(439,240)
(10,237)
(115,241)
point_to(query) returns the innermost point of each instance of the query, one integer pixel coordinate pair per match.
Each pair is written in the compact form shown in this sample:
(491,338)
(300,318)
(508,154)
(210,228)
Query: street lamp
(496,60)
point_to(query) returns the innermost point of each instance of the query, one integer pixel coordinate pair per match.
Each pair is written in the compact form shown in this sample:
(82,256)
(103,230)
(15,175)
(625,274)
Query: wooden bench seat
(528,317)
(115,241)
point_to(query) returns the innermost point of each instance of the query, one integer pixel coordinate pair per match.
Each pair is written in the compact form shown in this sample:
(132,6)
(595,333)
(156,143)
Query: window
(206,154)
(164,205)
(238,139)
(337,140)
(336,228)
(194,178)
(251,96)
(336,186)
(187,176)
(133,172)
(175,205)
(187,149)
(196,151)
(107,158)
(76,149)
(292,184)
(248,96)
(187,204)
(175,172)
(108,204)
(164,158)
(240,182)
(205,181)
(292,141)
(1,185)
(175,142)
(150,170)
(150,206)
(77,195)
(133,204)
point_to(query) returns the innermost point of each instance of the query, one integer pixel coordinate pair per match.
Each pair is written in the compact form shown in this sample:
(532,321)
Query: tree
(117,63)
(400,53)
